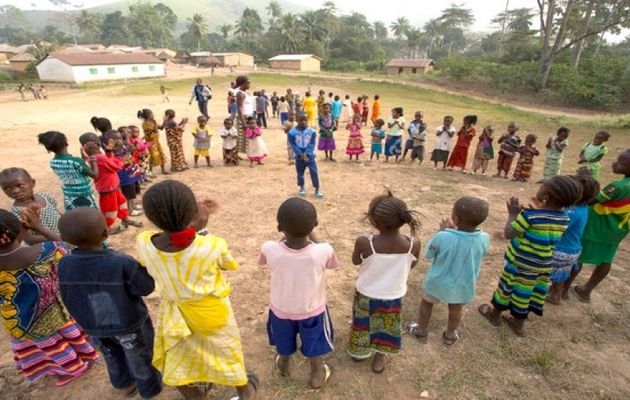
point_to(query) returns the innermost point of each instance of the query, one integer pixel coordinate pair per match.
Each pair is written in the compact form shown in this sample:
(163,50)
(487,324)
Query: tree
(454,20)
(274,11)
(225,30)
(433,32)
(89,25)
(198,28)
(399,27)
(115,29)
(312,25)
(151,25)
(288,35)
(414,38)
(249,25)
(380,31)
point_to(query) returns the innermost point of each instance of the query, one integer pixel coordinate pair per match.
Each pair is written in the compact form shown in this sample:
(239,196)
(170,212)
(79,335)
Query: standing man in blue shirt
(302,141)
(202,94)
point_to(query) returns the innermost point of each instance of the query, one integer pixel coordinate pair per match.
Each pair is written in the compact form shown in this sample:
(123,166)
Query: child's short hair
(297,217)
(347,96)
(10,226)
(337,98)
(250,120)
(564,191)
(170,113)
(379,122)
(449,117)
(472,210)
(389,212)
(170,205)
(531,138)
(377,97)
(225,121)
(563,129)
(107,136)
(91,231)
(201,118)
(282,98)
(101,124)
(590,187)
(398,110)
(133,128)
(89,137)
(53,141)
(15,171)
(471,119)
(603,134)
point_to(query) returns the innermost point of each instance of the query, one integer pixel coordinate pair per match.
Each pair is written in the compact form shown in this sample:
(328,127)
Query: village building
(20,62)
(163,54)
(204,58)
(235,59)
(7,51)
(411,66)
(296,62)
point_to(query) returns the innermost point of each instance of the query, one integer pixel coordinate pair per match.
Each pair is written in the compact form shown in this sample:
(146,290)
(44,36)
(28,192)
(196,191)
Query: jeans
(300,167)
(203,108)
(128,358)
(261,119)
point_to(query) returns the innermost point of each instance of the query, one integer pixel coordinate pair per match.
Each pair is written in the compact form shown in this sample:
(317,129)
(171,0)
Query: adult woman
(151,136)
(246,108)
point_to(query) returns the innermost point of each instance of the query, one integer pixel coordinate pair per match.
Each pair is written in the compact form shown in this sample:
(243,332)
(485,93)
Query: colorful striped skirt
(66,352)
(376,326)
(521,291)
(562,265)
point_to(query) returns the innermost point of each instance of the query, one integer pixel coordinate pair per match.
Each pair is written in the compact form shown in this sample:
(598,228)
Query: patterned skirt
(66,352)
(562,265)
(551,168)
(393,146)
(355,146)
(376,327)
(523,170)
(521,291)
(174,142)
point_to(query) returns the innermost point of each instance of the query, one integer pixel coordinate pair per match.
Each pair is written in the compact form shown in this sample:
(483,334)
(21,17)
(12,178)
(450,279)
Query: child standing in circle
(152,137)
(230,142)
(509,146)
(525,162)
(485,151)
(298,295)
(283,109)
(444,135)
(464,138)
(256,148)
(197,341)
(174,133)
(533,234)
(336,109)
(456,254)
(201,142)
(287,125)
(355,140)
(385,261)
(593,152)
(378,134)
(376,108)
(326,133)
(555,153)
(418,134)
(302,142)
(310,108)
(393,139)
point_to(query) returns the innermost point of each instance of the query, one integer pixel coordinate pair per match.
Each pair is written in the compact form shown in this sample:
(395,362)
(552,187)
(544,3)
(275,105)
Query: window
(414,70)
(151,68)
(93,71)
(135,68)
(111,70)
(400,70)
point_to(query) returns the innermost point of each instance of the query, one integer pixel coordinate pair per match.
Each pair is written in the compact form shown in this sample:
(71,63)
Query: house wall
(19,66)
(408,70)
(53,70)
(56,71)
(293,65)
(311,64)
(245,60)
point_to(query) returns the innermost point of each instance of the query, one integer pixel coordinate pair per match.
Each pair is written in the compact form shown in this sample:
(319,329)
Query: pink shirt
(298,281)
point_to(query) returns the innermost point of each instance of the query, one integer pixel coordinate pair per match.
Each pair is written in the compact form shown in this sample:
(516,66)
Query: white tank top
(247,107)
(384,276)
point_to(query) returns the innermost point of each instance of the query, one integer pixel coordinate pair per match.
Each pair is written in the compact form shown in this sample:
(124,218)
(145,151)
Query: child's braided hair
(564,191)
(53,141)
(389,213)
(10,226)
(170,205)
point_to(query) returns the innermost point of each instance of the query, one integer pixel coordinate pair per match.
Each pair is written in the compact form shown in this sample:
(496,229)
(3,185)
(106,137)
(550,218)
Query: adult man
(201,93)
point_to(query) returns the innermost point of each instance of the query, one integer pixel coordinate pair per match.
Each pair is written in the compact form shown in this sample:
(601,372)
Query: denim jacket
(103,290)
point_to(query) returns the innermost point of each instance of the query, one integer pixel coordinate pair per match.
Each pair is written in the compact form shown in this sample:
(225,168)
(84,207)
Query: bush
(342,65)
(458,68)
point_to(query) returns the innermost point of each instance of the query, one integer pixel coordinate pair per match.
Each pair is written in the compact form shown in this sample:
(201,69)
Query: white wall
(54,70)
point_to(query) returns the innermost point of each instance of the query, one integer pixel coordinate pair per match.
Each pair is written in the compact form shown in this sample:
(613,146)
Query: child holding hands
(555,153)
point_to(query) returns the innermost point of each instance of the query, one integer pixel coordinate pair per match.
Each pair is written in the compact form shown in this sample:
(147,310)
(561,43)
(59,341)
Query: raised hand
(446,223)
(514,206)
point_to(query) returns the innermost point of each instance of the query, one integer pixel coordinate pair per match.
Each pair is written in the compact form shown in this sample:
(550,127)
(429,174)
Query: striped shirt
(73,172)
(539,231)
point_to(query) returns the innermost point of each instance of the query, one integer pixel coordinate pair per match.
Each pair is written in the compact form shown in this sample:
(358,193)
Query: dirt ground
(575,351)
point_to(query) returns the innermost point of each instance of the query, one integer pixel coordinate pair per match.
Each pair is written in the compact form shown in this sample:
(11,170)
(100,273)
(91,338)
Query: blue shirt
(302,141)
(455,263)
(336,108)
(570,242)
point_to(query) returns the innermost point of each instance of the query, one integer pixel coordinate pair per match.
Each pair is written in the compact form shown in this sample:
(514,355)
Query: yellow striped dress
(197,338)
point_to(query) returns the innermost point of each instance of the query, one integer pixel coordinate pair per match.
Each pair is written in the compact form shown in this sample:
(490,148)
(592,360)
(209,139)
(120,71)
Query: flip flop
(511,322)
(450,342)
(577,294)
(484,310)
(133,223)
(327,375)
(411,328)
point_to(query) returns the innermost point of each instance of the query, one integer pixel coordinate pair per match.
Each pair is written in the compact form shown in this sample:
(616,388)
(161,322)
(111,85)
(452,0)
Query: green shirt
(609,219)
(73,172)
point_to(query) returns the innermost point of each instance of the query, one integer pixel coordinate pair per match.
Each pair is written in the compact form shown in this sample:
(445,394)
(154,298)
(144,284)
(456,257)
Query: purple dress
(326,130)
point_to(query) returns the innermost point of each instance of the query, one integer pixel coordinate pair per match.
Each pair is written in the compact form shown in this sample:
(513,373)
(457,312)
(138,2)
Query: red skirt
(458,157)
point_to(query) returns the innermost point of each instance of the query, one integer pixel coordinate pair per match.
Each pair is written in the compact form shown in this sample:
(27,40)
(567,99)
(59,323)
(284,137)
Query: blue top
(455,263)
(570,242)
(302,141)
(198,93)
(103,290)
(336,108)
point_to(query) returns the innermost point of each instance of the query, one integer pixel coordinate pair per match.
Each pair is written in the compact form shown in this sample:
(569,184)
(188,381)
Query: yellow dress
(196,336)
(310,108)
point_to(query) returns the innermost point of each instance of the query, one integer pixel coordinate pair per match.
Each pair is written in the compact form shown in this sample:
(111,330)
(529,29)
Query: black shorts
(131,192)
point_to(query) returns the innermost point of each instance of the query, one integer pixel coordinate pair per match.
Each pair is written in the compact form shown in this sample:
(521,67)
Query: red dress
(460,152)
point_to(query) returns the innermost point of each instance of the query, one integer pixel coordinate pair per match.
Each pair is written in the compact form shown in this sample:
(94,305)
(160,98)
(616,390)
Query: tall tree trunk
(579,46)
(549,52)
(502,40)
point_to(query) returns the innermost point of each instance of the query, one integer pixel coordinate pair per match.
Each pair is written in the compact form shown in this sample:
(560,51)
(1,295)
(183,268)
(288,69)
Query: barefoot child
(509,142)
(593,152)
(417,131)
(256,148)
(201,141)
(197,341)
(298,295)
(555,153)
(378,134)
(485,151)
(525,162)
(456,254)
(355,141)
(302,141)
(464,138)
(230,142)
(96,283)
(326,133)
(393,138)
(444,135)
(385,261)
(533,234)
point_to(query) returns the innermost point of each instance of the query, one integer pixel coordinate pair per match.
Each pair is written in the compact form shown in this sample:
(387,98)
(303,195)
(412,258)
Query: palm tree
(225,30)
(288,33)
(330,7)
(274,11)
(313,26)
(89,24)
(250,24)
(399,27)
(433,31)
(380,31)
(198,28)
(414,38)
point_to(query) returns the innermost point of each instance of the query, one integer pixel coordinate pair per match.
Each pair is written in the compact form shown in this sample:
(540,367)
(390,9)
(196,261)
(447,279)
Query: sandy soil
(575,351)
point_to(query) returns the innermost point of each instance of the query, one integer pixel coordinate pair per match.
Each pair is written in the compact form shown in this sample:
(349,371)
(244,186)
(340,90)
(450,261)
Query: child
(73,172)
(568,249)
(336,109)
(525,162)
(283,109)
(555,153)
(509,146)
(230,141)
(357,108)
(365,111)
(274,104)
(464,138)
(593,152)
(321,100)
(456,254)
(201,142)
(129,175)
(385,260)
(256,148)
(347,109)
(302,141)
(18,185)
(533,234)
(355,140)
(310,108)
(196,335)
(417,131)
(376,108)
(97,283)
(484,152)
(164,90)
(261,110)
(174,134)
(393,138)
(44,339)
(444,135)
(326,133)
(608,224)
(378,134)
(298,304)
(289,124)
(152,137)
(140,152)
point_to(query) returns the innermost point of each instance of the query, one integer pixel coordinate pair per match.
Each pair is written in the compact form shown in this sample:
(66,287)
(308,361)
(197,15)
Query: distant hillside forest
(566,60)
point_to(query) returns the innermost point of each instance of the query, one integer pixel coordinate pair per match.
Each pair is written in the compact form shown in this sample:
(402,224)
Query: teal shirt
(456,258)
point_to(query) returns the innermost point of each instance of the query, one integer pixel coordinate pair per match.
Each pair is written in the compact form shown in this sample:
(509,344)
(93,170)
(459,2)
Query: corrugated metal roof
(411,62)
(293,57)
(105,59)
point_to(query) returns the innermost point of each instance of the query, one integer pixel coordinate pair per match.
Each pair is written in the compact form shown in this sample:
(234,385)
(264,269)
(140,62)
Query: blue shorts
(316,335)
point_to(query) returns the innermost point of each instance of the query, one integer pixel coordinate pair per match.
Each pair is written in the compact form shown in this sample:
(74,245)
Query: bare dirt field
(575,351)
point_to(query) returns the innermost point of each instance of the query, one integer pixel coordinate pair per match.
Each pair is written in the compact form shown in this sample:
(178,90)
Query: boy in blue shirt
(456,253)
(302,141)
(336,109)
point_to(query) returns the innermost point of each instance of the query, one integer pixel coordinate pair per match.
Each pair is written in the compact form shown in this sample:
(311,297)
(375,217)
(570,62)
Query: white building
(89,67)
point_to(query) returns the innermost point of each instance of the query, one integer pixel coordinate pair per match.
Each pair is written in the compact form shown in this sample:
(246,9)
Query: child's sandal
(412,329)
(450,342)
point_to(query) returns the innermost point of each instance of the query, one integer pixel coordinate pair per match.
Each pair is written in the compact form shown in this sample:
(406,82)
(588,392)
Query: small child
(376,108)
(18,185)
(385,260)
(140,152)
(129,175)
(202,139)
(485,151)
(302,142)
(103,290)
(378,134)
(174,140)
(261,110)
(593,152)
(555,153)
(525,162)
(256,148)
(298,304)
(418,132)
(230,141)
(464,138)
(326,133)
(456,254)
(444,135)
(568,249)
(73,172)
(336,110)
(283,109)
(274,104)
(393,138)
(533,234)
(365,111)
(509,146)
(289,124)
(355,140)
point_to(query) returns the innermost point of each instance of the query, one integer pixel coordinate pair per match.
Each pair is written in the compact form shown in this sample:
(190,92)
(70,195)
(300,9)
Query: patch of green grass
(545,362)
